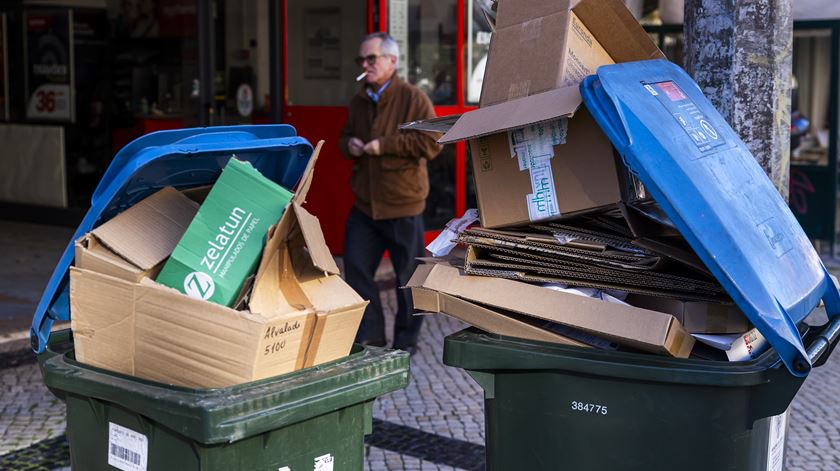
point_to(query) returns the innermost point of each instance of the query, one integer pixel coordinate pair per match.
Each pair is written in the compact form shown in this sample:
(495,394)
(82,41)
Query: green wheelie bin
(551,407)
(314,418)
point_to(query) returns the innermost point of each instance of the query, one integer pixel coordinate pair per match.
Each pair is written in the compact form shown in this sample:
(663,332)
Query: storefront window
(321,70)
(477,47)
(155,62)
(440,205)
(810,97)
(426,32)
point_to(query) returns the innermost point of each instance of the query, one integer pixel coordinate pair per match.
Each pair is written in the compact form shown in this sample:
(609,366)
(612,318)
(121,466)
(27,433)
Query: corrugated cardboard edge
(553,104)
(485,319)
(91,255)
(109,345)
(513,14)
(166,213)
(294,217)
(338,328)
(615,27)
(498,292)
(315,241)
(678,342)
(306,178)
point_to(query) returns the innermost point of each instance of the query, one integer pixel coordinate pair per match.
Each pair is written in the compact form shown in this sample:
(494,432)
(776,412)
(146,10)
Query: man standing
(391,182)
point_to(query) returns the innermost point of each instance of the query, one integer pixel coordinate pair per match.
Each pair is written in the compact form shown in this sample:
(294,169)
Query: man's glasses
(370,59)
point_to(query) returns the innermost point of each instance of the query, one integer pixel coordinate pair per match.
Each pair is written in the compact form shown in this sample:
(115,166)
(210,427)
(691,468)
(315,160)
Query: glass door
(321,41)
(813,131)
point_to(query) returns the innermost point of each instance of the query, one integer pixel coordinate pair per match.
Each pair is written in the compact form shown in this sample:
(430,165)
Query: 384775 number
(588,407)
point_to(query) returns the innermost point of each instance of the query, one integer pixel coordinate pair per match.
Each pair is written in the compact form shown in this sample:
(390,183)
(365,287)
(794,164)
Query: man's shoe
(411,349)
(373,342)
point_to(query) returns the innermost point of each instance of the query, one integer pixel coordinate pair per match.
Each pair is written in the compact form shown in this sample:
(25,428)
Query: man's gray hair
(388,46)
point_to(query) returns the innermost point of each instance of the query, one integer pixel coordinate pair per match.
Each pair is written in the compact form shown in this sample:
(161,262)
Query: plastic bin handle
(824,343)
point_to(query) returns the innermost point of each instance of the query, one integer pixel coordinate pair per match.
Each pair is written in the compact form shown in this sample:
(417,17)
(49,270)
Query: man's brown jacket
(396,183)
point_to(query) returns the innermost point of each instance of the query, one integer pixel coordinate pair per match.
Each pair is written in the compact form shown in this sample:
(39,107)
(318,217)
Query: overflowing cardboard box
(537,47)
(541,157)
(301,313)
(642,329)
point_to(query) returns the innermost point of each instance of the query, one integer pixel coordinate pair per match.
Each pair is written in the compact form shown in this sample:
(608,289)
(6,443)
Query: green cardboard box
(223,243)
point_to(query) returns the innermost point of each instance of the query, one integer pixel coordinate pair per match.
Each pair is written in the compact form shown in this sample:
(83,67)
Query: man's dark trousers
(365,242)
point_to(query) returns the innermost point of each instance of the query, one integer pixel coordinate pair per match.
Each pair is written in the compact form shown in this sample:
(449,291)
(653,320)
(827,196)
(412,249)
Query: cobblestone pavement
(436,423)
(29,413)
(29,255)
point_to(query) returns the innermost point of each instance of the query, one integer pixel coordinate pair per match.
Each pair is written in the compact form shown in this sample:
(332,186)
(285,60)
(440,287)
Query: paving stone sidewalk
(436,423)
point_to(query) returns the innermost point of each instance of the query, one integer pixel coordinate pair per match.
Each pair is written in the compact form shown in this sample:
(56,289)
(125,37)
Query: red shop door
(442,43)
(321,40)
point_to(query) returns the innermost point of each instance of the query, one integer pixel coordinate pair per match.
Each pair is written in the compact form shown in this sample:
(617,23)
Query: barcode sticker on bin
(127,450)
(324,463)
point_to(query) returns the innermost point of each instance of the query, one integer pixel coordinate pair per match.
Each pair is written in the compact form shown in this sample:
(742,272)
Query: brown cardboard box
(540,46)
(154,332)
(539,53)
(626,325)
(301,314)
(583,173)
(697,317)
(155,224)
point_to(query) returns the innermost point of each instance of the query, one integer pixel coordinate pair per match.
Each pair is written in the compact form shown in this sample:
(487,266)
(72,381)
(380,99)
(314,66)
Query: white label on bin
(284,468)
(127,449)
(324,463)
(776,442)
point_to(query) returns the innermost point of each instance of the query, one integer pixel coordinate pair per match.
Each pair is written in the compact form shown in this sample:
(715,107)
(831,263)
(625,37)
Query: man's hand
(372,147)
(356,147)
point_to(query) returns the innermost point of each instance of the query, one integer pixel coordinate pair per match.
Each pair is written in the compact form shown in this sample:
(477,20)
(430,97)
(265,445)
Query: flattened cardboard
(135,243)
(485,319)
(152,224)
(440,124)
(560,103)
(639,328)
(695,316)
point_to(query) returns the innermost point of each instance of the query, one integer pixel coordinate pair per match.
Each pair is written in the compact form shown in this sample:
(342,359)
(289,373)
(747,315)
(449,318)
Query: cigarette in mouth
(361,76)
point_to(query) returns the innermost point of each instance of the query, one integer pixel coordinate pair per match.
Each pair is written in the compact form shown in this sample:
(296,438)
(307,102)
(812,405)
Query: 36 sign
(49,65)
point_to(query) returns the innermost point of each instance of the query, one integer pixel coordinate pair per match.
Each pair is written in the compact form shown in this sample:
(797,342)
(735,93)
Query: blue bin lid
(183,158)
(710,185)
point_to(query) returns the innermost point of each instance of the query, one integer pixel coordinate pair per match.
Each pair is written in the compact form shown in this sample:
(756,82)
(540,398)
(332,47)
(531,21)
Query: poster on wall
(48,51)
(398,29)
(4,70)
(322,28)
